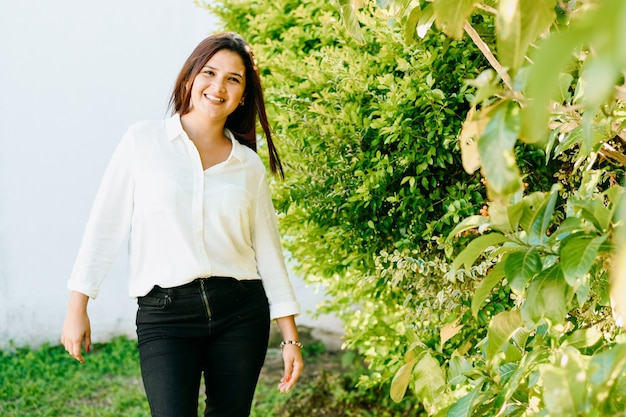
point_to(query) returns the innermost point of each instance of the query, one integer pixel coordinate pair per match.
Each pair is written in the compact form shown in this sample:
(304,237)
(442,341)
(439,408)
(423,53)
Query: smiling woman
(205,257)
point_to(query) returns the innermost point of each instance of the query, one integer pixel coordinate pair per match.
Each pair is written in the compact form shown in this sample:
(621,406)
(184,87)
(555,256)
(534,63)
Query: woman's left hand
(292,357)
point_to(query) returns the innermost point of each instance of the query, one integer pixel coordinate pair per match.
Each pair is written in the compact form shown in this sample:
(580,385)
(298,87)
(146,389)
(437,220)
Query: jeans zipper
(205,299)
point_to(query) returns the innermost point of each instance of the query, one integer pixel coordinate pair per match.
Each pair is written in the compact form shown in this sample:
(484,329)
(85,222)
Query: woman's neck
(203,130)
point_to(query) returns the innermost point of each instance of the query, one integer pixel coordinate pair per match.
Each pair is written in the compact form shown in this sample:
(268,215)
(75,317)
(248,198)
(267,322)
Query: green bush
(369,134)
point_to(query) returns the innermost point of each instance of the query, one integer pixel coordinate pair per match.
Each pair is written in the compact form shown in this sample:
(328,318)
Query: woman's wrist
(290,342)
(288,328)
(77,302)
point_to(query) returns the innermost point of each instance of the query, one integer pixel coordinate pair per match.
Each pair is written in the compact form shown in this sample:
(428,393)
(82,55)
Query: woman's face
(219,87)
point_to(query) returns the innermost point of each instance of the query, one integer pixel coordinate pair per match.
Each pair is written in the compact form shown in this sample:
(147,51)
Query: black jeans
(214,326)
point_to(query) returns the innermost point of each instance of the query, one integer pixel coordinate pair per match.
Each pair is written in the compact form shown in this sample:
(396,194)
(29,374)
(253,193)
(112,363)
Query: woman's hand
(292,357)
(76,328)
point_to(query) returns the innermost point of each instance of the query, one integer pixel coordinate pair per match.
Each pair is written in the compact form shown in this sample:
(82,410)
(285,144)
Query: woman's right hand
(76,328)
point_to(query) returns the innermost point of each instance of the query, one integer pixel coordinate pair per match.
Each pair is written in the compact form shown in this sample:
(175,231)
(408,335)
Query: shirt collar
(173,127)
(239,150)
(174,130)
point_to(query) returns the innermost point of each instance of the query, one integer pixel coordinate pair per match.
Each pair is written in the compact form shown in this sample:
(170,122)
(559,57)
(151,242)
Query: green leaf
(506,371)
(563,386)
(567,227)
(521,337)
(511,353)
(565,83)
(495,147)
(501,328)
(571,140)
(512,374)
(598,76)
(521,267)
(583,289)
(508,248)
(548,296)
(450,15)
(578,254)
(418,22)
(615,194)
(463,406)
(597,29)
(548,212)
(476,248)
(606,366)
(543,86)
(538,212)
(518,24)
(411,24)
(458,366)
(618,273)
(426,20)
(532,209)
(350,20)
(595,212)
(606,376)
(583,338)
(429,379)
(469,223)
(505,218)
(494,276)
(401,379)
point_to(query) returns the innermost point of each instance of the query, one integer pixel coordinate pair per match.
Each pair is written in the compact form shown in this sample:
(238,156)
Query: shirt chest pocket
(227,202)
(155,191)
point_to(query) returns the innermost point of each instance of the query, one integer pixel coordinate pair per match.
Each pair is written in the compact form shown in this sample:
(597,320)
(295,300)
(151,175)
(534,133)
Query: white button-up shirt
(184,222)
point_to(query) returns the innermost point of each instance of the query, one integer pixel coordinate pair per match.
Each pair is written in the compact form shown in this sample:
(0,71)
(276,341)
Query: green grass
(47,382)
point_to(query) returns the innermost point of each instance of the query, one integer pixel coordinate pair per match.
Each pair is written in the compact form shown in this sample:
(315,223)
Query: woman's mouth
(214,98)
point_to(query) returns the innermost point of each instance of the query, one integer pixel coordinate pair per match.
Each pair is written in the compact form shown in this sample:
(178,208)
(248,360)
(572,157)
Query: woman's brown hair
(242,122)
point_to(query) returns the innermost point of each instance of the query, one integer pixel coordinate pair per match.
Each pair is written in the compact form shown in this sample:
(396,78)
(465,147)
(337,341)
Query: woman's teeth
(213,98)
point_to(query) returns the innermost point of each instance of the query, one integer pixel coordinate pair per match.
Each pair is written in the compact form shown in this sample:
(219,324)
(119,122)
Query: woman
(205,261)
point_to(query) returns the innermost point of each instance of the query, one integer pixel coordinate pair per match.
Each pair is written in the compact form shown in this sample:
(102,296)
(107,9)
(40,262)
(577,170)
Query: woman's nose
(219,85)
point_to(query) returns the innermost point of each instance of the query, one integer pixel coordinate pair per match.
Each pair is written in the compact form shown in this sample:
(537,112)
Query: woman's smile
(214,98)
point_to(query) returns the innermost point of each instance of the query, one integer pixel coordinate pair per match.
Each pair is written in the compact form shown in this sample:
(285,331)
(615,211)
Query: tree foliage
(481,292)
(566,98)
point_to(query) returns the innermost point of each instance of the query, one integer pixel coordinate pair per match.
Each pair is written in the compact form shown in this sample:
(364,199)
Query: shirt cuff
(81,288)
(291,308)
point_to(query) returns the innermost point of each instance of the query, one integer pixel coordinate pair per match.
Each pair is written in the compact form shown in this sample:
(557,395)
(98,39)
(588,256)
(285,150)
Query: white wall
(73,75)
